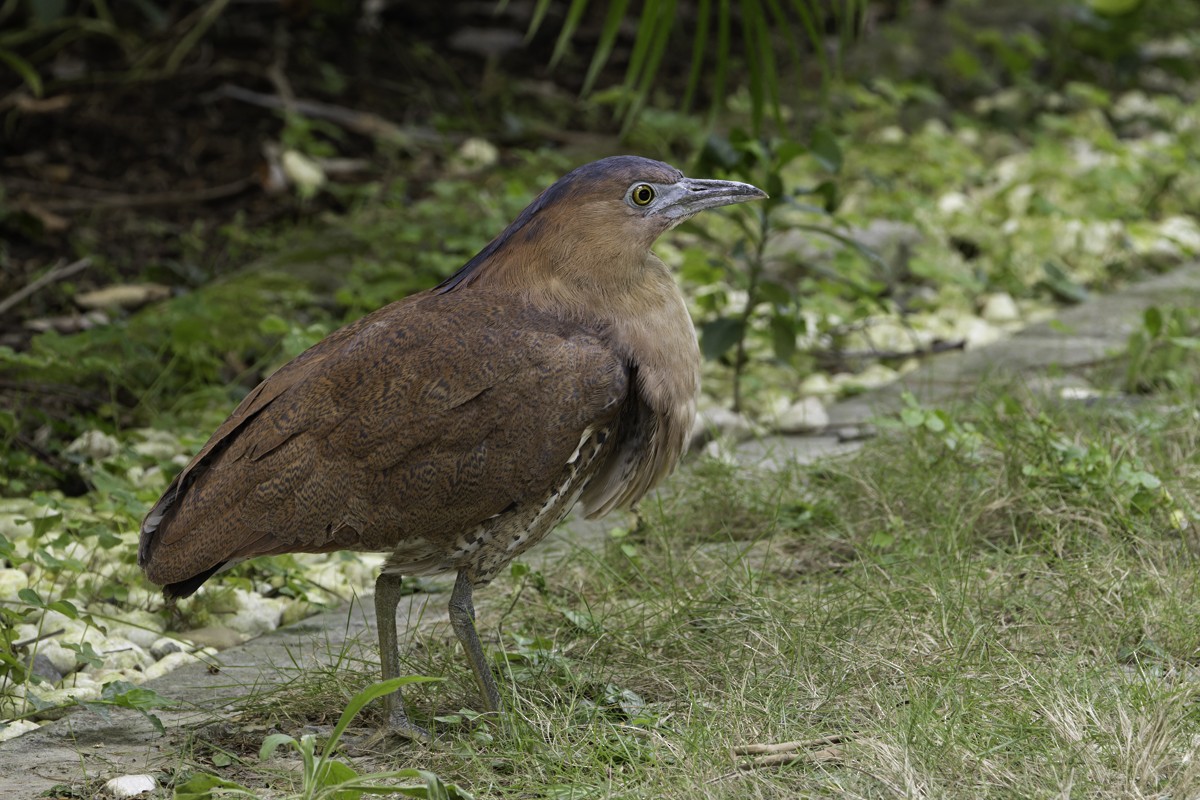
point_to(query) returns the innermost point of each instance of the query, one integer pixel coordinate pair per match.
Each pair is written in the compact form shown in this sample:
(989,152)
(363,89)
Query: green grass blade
(608,37)
(699,46)
(24,69)
(570,25)
(539,14)
(360,700)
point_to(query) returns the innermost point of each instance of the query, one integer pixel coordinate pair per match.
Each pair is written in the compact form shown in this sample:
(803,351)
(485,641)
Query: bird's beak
(692,195)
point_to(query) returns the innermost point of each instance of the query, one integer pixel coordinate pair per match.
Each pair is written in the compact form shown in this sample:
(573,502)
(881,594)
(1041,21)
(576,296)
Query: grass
(992,601)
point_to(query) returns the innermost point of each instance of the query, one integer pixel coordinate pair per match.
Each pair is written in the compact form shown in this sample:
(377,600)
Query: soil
(135,167)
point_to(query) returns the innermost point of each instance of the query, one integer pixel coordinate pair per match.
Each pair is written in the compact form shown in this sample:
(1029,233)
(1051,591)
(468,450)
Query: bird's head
(608,212)
(632,198)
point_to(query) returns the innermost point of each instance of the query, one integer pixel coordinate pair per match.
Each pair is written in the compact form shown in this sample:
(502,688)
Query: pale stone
(872,377)
(165,646)
(16,525)
(1183,231)
(216,636)
(721,423)
(15,728)
(168,663)
(143,628)
(156,444)
(806,414)
(1000,308)
(817,383)
(256,614)
(475,154)
(106,676)
(119,653)
(11,582)
(122,296)
(96,445)
(953,203)
(304,173)
(130,786)
(890,134)
(979,332)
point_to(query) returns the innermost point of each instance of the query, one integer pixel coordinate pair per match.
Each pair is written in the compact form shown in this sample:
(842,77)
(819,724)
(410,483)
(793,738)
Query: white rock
(11,582)
(806,414)
(16,525)
(121,654)
(476,154)
(168,663)
(721,423)
(304,173)
(256,614)
(890,134)
(1184,231)
(817,383)
(873,376)
(17,727)
(165,646)
(953,203)
(69,694)
(1000,308)
(62,658)
(96,445)
(979,332)
(140,627)
(130,786)
(156,444)
(1136,105)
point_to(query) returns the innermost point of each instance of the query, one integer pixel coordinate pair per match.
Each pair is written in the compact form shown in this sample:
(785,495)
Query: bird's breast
(487,548)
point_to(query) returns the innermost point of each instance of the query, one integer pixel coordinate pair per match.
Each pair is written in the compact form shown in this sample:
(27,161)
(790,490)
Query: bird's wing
(420,420)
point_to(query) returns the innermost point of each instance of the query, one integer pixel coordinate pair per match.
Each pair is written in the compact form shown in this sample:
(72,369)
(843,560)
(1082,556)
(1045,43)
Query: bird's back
(447,429)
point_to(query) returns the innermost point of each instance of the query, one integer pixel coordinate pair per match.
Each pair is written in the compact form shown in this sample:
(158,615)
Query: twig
(362,122)
(154,199)
(56,273)
(36,639)
(917,352)
(831,753)
(784,753)
(788,747)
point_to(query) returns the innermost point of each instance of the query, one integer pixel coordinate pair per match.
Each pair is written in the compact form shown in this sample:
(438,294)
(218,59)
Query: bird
(454,428)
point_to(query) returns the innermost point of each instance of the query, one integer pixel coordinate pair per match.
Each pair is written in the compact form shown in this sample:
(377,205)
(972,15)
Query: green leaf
(1152,321)
(826,150)
(360,700)
(272,743)
(783,337)
(201,786)
(719,335)
(24,69)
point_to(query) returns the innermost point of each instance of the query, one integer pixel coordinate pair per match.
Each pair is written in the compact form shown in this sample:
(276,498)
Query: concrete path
(83,749)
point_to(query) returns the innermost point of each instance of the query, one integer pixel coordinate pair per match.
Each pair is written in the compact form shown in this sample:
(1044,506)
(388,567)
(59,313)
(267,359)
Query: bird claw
(400,725)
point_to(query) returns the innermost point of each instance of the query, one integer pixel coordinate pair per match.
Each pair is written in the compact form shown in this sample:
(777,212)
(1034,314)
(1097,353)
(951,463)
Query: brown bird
(455,428)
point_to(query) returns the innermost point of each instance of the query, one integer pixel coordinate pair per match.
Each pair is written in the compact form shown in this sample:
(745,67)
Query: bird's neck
(629,299)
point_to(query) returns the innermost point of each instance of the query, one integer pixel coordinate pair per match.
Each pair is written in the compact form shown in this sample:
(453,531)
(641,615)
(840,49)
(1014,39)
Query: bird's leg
(387,597)
(462,618)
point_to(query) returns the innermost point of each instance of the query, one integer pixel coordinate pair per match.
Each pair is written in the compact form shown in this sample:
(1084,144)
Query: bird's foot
(398,724)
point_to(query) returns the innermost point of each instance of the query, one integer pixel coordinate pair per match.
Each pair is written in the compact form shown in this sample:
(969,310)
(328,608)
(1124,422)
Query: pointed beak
(692,195)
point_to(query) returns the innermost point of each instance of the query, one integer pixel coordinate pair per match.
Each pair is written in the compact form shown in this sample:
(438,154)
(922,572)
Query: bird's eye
(642,194)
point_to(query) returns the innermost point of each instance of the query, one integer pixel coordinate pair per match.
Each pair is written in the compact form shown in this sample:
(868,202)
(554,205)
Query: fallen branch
(787,747)
(153,199)
(35,639)
(784,753)
(56,273)
(361,122)
(831,753)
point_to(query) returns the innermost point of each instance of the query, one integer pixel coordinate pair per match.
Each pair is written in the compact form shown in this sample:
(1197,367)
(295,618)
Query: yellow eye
(642,194)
